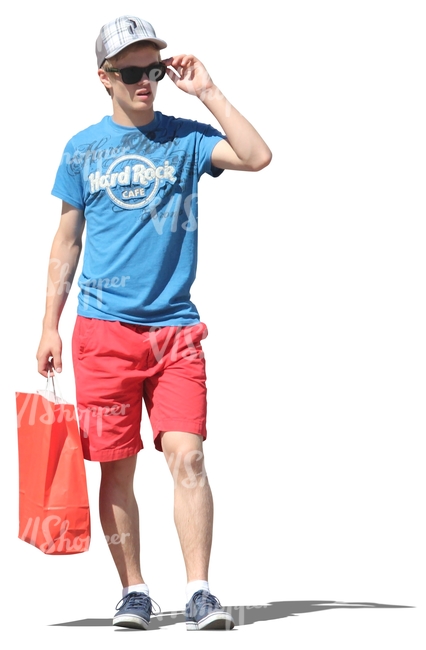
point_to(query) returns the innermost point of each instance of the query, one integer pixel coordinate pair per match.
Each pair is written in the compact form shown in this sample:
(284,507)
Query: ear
(105,80)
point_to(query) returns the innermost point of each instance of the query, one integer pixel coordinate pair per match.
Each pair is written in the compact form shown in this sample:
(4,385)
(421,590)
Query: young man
(132,181)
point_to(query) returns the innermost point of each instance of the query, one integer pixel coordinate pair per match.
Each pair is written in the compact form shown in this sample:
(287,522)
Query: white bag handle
(57,395)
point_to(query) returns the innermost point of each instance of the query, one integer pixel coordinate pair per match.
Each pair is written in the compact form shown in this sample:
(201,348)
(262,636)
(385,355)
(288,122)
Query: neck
(132,118)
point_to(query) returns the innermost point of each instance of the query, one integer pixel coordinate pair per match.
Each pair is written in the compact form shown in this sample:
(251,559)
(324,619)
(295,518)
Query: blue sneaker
(134,610)
(204,612)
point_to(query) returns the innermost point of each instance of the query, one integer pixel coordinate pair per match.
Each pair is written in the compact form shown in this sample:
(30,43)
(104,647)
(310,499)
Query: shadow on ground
(244,614)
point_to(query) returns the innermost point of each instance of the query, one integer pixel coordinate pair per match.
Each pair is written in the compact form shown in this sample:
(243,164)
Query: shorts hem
(111,454)
(187,426)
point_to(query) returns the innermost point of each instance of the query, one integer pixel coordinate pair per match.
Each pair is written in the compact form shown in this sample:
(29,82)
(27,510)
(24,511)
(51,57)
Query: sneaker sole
(222,621)
(134,622)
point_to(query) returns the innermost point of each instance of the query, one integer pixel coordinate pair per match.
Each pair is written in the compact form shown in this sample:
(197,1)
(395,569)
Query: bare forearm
(241,135)
(62,267)
(64,256)
(244,149)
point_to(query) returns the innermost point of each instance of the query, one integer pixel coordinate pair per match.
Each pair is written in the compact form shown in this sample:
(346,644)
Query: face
(132,103)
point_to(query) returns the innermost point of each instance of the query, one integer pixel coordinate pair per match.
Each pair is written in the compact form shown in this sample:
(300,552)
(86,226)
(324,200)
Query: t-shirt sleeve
(209,137)
(68,184)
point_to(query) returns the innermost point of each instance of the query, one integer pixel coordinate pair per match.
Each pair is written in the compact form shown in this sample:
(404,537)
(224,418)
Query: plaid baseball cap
(121,32)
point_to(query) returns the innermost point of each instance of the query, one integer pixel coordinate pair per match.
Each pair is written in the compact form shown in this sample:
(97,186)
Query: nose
(144,78)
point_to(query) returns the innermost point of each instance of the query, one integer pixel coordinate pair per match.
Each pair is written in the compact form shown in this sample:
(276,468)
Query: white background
(312,283)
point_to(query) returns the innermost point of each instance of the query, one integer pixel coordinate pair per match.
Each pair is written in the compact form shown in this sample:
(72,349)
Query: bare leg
(193,502)
(120,518)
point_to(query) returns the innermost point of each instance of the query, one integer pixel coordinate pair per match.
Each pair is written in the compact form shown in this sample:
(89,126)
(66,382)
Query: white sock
(194,586)
(141,588)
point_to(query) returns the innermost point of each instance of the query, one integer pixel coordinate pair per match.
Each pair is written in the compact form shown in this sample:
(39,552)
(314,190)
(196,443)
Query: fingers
(188,74)
(48,366)
(167,61)
(182,65)
(183,60)
(56,361)
(44,366)
(173,75)
(49,359)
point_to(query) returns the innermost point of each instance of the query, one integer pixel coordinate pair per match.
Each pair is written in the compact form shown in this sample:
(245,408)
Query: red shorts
(118,365)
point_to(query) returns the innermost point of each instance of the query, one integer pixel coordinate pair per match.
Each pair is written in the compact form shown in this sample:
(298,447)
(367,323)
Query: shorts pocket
(84,334)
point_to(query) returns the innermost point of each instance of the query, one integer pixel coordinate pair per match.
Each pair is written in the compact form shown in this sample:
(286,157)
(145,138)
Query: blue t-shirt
(138,190)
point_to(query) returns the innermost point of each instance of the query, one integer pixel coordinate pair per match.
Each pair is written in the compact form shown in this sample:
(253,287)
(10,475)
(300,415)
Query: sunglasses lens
(156,72)
(133,74)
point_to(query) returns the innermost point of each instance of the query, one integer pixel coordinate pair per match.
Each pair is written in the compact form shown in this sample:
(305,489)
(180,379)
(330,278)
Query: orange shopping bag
(54,511)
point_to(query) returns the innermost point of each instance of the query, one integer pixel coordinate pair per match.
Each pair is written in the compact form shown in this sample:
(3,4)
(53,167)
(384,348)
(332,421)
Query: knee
(186,461)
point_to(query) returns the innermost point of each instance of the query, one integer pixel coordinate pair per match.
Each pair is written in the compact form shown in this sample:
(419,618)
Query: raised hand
(189,74)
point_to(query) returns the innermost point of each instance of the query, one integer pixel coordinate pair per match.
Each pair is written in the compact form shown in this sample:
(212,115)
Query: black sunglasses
(133,74)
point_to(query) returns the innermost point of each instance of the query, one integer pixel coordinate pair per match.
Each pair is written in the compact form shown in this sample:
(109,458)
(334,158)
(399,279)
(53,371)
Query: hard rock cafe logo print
(132,181)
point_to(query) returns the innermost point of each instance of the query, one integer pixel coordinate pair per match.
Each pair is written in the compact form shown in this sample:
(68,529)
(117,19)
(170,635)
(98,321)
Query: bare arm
(244,149)
(64,256)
